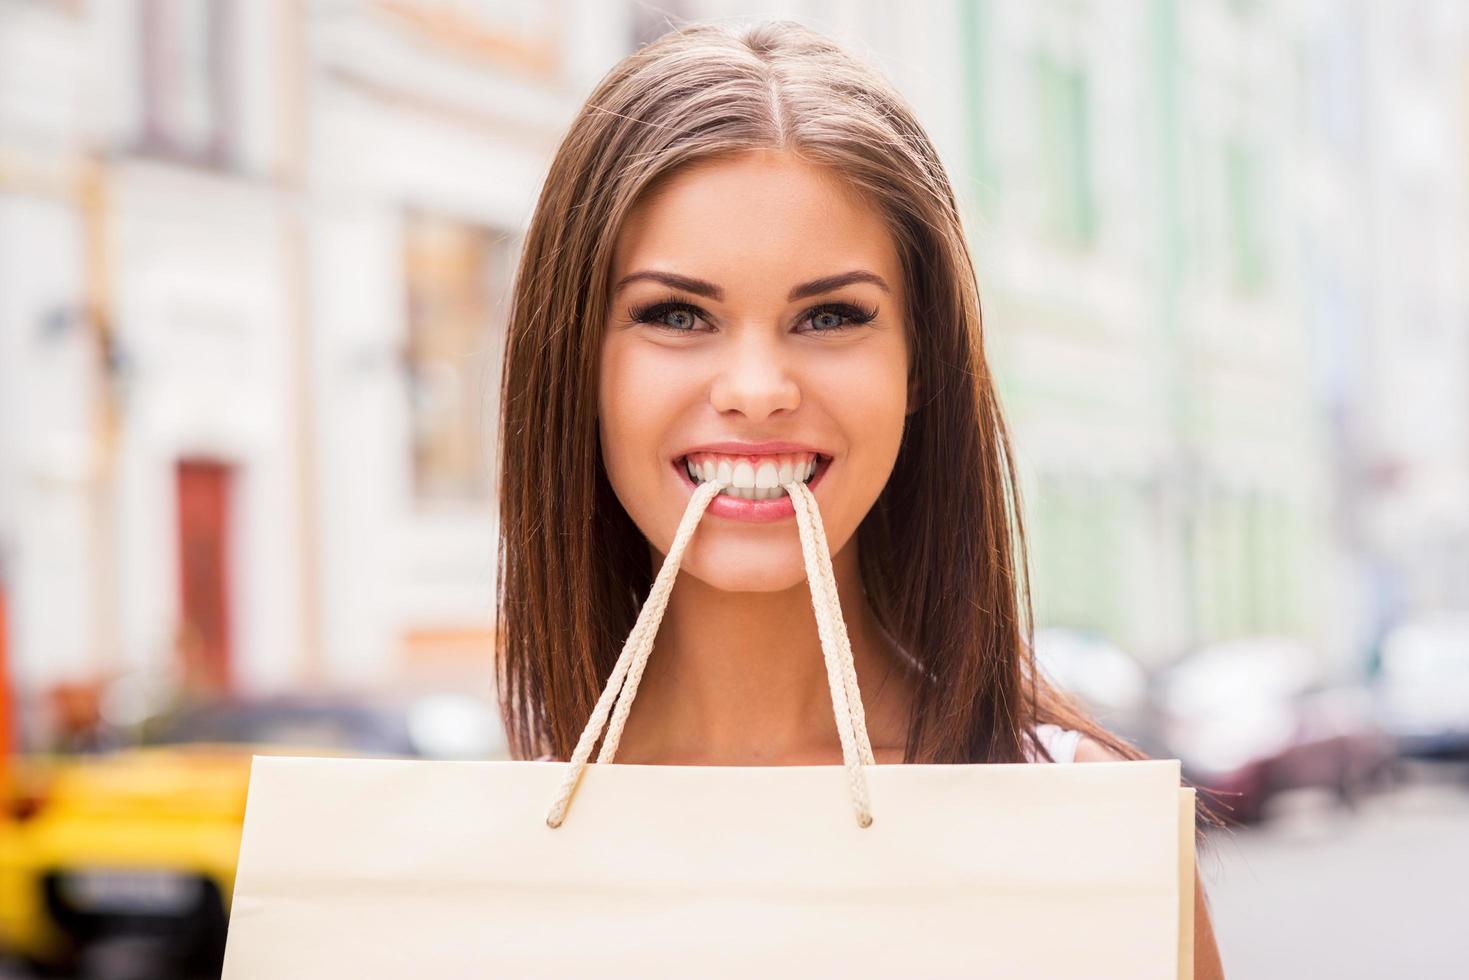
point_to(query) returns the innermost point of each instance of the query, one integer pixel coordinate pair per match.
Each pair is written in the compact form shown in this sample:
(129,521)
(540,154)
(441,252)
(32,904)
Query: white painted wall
(47,458)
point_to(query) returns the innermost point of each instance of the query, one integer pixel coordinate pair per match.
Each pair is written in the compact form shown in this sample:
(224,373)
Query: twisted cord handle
(634,648)
(622,684)
(828,606)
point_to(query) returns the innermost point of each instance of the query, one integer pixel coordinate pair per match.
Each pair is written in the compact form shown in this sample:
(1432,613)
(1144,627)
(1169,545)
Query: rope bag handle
(615,703)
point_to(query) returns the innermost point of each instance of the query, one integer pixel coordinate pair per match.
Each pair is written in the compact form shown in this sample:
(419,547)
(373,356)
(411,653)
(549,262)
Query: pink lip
(751,449)
(753,511)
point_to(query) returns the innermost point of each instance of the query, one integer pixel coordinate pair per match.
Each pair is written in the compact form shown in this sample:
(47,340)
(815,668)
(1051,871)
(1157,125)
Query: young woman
(747,262)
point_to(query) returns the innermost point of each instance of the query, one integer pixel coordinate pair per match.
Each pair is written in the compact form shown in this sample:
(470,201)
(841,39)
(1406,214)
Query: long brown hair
(943,548)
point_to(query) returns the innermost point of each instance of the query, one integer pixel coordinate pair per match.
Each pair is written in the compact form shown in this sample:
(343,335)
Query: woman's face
(722,336)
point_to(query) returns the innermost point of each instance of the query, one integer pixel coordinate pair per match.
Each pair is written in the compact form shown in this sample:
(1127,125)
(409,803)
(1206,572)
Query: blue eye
(837,312)
(658,313)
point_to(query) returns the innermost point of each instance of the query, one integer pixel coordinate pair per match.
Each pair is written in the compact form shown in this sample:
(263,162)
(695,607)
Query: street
(1320,891)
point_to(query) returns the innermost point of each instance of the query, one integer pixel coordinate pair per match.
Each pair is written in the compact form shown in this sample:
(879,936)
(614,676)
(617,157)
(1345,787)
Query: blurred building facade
(1387,247)
(1224,244)
(253,262)
(254,259)
(1135,220)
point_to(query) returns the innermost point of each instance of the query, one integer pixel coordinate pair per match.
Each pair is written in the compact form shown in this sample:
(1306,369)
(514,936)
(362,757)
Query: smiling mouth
(754,478)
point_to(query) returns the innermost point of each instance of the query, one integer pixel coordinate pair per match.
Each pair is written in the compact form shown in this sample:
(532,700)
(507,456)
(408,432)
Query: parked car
(1251,718)
(1106,679)
(1421,685)
(142,842)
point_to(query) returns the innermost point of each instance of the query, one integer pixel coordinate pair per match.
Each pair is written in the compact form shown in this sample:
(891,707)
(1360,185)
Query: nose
(755,381)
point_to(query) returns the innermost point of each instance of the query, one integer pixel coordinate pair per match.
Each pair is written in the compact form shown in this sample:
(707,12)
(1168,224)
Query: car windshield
(1428,649)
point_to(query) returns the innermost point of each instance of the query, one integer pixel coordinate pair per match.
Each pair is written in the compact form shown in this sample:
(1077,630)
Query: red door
(204,490)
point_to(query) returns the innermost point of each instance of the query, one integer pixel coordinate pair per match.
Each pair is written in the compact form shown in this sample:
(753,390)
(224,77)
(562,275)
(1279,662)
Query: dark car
(1253,718)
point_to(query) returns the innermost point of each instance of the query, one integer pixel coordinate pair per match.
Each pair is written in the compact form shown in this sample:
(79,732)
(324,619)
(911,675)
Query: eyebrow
(702,287)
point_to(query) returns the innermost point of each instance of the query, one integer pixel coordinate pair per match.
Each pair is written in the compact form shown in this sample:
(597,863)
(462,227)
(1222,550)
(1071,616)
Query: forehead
(761,216)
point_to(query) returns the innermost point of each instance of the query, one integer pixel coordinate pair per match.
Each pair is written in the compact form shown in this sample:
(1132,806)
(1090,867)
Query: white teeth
(749,482)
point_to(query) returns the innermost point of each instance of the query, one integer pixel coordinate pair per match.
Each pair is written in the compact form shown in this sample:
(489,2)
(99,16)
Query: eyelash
(856,314)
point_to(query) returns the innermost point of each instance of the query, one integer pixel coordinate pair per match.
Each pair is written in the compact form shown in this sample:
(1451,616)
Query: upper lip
(751,448)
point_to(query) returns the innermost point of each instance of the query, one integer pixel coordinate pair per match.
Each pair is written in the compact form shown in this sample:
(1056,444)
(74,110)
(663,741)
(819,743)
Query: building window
(975,35)
(188,80)
(1242,218)
(1076,548)
(457,278)
(1065,149)
(508,35)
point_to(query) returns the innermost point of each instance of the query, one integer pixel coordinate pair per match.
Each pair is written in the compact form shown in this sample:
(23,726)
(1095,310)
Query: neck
(738,678)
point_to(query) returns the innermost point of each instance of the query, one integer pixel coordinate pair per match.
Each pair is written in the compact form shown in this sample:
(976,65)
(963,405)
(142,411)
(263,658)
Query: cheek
(639,403)
(868,401)
(883,405)
(868,396)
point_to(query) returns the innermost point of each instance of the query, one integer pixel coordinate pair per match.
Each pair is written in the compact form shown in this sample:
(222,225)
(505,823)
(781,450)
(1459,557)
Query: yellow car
(143,842)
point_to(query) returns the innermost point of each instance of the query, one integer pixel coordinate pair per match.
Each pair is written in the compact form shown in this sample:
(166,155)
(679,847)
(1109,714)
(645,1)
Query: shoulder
(1070,745)
(1090,750)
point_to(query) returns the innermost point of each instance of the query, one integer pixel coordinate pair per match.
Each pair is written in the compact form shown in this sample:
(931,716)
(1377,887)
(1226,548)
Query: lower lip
(753,511)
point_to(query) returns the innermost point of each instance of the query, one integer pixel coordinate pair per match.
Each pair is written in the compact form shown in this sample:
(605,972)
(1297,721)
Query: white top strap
(1060,742)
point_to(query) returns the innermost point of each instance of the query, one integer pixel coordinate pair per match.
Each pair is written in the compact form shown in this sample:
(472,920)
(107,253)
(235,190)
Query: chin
(719,570)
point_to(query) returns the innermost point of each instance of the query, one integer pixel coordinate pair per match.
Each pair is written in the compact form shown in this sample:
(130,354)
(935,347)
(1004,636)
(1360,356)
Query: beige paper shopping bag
(399,868)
